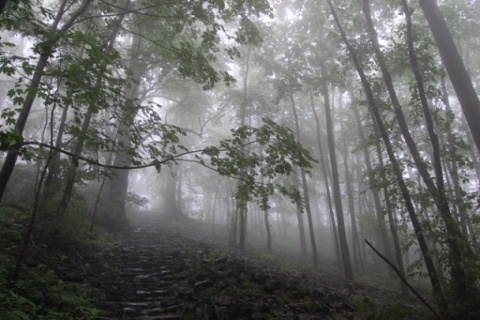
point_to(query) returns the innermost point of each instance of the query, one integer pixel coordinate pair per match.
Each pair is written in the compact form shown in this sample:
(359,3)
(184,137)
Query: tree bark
(119,182)
(455,67)
(301,225)
(461,251)
(91,110)
(393,225)
(326,178)
(342,235)
(306,197)
(432,273)
(48,47)
(385,246)
(351,204)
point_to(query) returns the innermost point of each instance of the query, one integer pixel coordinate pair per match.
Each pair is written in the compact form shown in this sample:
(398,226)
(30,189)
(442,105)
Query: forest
(263,159)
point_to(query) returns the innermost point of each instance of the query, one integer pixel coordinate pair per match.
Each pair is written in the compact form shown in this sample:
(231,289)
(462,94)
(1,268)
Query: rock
(202,284)
(165,277)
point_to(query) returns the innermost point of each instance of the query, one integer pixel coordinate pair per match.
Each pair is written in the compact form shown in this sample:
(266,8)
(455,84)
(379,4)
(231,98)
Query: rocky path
(161,273)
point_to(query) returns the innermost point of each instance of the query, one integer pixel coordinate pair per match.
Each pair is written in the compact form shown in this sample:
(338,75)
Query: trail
(171,270)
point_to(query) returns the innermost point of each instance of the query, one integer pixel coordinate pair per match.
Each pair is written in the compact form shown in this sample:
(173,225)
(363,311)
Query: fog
(301,129)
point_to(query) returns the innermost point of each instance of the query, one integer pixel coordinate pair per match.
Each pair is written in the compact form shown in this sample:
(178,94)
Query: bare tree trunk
(342,235)
(306,197)
(301,226)
(242,205)
(384,243)
(393,226)
(351,204)
(119,182)
(456,70)
(326,178)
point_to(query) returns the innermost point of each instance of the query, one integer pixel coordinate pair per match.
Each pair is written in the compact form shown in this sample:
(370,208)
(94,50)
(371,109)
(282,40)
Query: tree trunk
(326,178)
(384,243)
(54,169)
(72,171)
(393,226)
(301,226)
(432,273)
(465,221)
(242,205)
(461,252)
(342,235)
(48,47)
(306,197)
(351,204)
(119,181)
(455,67)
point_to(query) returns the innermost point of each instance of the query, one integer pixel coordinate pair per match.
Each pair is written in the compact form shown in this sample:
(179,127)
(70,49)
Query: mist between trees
(306,126)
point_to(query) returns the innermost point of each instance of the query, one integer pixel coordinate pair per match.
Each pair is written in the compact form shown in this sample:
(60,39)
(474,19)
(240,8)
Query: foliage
(280,154)
(40,293)
(363,309)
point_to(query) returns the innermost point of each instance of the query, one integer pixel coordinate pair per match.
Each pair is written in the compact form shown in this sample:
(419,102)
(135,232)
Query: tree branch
(147,165)
(403,279)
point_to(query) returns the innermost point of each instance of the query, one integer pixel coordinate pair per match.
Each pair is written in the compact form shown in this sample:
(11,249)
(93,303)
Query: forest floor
(173,270)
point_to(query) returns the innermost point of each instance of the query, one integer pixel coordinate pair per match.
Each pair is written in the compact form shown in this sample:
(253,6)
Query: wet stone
(202,284)
(165,277)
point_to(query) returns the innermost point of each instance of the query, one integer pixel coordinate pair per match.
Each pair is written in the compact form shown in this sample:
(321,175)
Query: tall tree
(342,235)
(375,113)
(93,108)
(461,81)
(461,255)
(46,49)
(303,177)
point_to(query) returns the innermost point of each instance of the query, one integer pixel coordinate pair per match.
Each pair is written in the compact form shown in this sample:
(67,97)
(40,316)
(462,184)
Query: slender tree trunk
(432,273)
(461,276)
(214,210)
(393,225)
(384,243)
(342,235)
(455,67)
(47,48)
(301,225)
(268,230)
(306,197)
(351,200)
(54,167)
(241,204)
(326,178)
(171,205)
(92,109)
(179,193)
(53,170)
(459,192)
(243,209)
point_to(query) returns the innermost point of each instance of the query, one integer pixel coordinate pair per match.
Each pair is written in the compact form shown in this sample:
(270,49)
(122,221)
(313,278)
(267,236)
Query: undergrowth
(54,278)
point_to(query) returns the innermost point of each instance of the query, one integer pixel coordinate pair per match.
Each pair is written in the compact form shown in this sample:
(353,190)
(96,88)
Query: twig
(403,279)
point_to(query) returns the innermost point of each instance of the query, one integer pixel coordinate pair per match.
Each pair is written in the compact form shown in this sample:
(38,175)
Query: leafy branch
(279,153)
